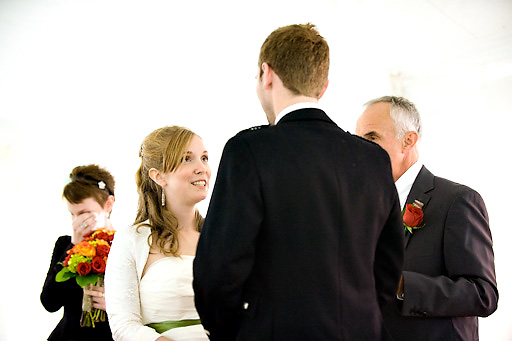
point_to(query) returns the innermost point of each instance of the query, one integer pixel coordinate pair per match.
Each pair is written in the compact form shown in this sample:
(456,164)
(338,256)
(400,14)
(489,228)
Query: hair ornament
(101,185)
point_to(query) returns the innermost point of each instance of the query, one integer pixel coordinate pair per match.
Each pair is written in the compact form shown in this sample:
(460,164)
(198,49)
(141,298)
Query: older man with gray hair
(448,278)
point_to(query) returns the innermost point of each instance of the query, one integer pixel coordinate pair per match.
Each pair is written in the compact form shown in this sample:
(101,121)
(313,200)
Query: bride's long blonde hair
(163,150)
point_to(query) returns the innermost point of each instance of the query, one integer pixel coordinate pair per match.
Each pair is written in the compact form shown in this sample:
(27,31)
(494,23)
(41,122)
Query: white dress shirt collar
(405,182)
(296,106)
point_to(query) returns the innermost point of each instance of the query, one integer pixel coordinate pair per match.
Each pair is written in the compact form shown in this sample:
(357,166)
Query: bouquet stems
(91,315)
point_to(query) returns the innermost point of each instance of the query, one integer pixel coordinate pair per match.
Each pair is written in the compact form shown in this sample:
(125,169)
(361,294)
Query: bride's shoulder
(133,232)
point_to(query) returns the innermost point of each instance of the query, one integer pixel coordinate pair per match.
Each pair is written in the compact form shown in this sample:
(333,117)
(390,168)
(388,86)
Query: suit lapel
(423,184)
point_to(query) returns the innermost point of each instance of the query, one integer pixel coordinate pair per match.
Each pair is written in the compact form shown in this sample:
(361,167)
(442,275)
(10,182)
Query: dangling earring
(163,197)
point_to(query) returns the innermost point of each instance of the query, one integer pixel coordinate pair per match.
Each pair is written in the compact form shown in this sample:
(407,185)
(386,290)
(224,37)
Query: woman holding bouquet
(148,280)
(90,197)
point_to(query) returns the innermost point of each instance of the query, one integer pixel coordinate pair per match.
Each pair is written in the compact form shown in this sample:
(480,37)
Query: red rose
(413,216)
(83,268)
(102,250)
(102,235)
(98,265)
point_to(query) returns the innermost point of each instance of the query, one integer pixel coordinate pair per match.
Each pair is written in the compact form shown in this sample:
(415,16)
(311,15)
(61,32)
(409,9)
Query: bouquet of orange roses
(86,262)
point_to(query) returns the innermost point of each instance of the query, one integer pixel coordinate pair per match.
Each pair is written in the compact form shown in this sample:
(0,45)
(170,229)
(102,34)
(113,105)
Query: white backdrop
(84,81)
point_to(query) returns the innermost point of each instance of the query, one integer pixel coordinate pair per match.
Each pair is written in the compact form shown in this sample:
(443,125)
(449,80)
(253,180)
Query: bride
(148,280)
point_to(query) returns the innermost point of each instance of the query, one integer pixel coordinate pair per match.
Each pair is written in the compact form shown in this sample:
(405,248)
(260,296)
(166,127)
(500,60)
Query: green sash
(161,327)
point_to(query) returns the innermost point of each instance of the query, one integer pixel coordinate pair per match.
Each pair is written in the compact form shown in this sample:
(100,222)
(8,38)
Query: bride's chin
(202,197)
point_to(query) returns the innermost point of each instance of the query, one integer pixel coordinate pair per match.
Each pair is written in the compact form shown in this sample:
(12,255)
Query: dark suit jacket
(303,238)
(68,294)
(449,276)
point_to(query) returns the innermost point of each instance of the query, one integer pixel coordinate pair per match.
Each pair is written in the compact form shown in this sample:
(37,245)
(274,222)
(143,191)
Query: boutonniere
(413,216)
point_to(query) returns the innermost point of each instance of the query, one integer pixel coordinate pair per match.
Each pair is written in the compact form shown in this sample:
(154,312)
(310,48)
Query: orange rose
(85,249)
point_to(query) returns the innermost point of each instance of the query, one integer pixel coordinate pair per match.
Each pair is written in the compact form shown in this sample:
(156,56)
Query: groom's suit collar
(305,114)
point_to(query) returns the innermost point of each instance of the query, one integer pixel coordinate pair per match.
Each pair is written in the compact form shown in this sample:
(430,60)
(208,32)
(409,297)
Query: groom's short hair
(299,55)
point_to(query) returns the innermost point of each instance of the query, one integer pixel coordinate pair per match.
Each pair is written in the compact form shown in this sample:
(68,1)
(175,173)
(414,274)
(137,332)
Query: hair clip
(101,185)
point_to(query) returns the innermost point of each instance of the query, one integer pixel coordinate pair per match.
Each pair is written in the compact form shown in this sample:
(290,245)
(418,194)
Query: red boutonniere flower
(413,216)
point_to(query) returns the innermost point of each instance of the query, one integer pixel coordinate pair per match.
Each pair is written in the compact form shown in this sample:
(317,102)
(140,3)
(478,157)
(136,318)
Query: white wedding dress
(166,294)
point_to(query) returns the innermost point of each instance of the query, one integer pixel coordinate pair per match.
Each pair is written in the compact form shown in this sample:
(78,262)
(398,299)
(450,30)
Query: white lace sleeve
(122,289)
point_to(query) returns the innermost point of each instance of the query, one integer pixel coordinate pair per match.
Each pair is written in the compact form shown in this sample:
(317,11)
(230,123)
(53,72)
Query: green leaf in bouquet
(64,274)
(84,280)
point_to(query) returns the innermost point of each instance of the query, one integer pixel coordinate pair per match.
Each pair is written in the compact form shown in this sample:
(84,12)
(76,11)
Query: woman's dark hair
(90,181)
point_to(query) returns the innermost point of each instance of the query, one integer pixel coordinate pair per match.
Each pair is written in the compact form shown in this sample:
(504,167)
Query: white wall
(84,81)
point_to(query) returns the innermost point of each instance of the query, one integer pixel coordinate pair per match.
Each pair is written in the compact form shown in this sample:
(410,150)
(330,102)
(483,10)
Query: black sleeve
(53,295)
(229,232)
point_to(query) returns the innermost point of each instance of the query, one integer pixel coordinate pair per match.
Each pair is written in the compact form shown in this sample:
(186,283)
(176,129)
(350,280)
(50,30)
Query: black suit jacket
(68,294)
(303,239)
(449,276)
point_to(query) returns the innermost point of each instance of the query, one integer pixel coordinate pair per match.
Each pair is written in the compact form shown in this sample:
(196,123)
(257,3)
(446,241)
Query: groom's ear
(157,177)
(323,91)
(266,76)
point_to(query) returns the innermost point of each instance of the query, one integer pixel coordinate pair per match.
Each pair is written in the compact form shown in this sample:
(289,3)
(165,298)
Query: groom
(303,239)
